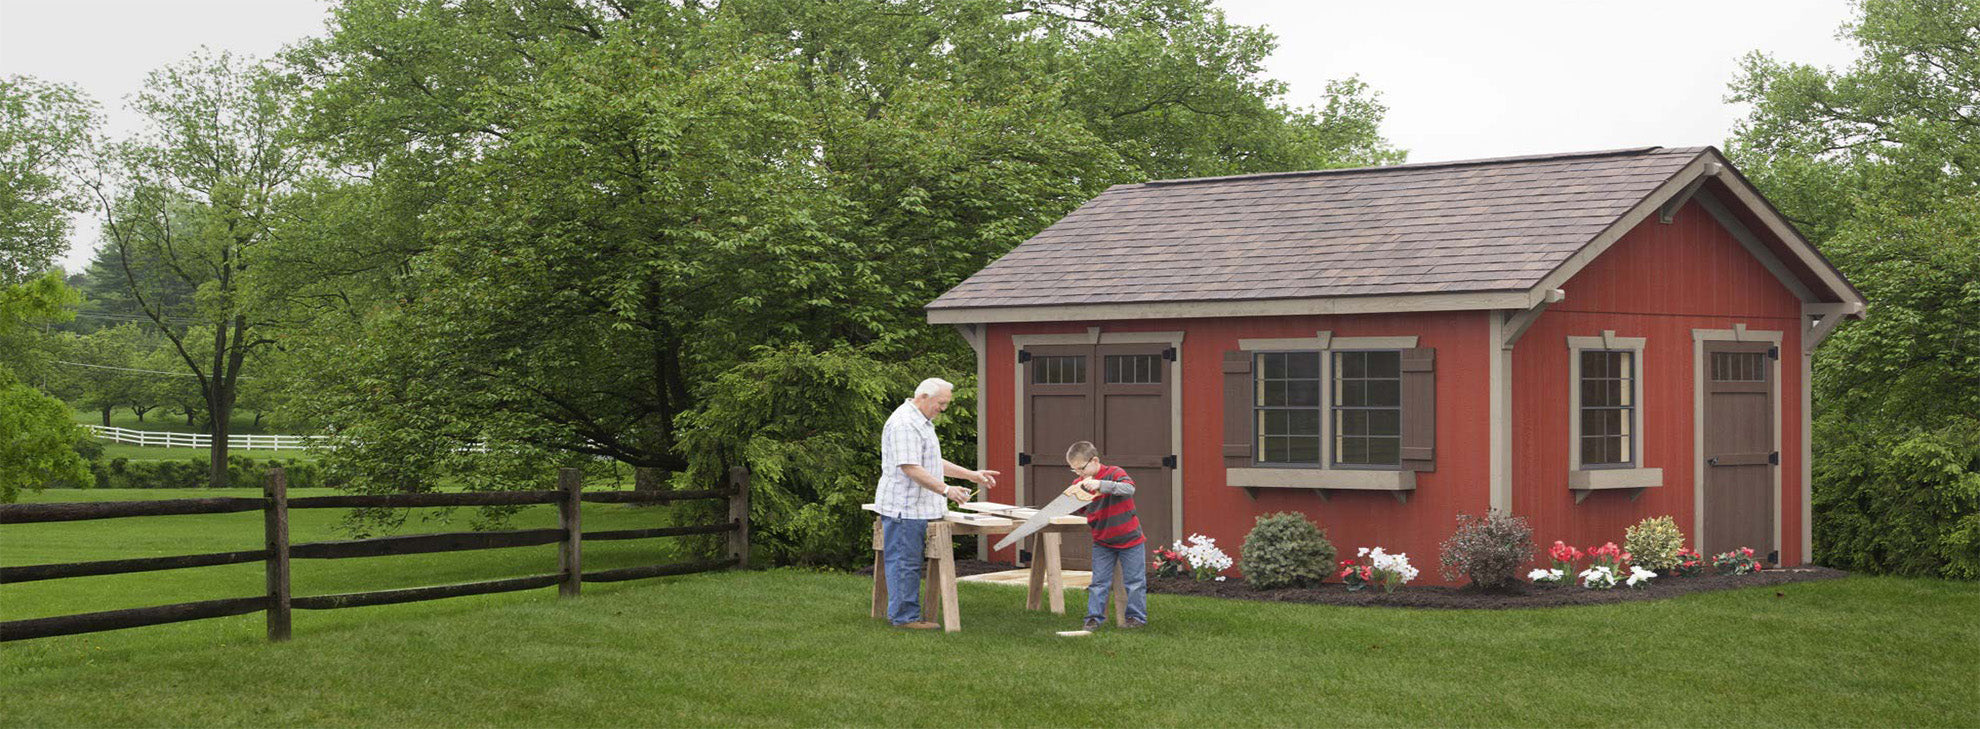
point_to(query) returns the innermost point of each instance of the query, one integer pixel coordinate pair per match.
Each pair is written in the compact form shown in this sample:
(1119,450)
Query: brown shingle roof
(1448,227)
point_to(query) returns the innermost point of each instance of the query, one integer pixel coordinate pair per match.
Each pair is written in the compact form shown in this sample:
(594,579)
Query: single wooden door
(1740,453)
(1058,411)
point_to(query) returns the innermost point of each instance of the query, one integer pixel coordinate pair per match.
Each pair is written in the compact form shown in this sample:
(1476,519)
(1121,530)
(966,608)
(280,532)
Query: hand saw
(1073,499)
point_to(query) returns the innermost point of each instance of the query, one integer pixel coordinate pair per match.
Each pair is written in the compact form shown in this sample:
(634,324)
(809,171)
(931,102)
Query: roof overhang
(1710,179)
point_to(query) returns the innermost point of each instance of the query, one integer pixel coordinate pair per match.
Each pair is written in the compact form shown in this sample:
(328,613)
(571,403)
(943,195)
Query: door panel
(1059,403)
(1739,448)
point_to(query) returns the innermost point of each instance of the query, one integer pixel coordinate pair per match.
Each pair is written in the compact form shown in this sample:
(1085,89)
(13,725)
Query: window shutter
(1419,409)
(1237,409)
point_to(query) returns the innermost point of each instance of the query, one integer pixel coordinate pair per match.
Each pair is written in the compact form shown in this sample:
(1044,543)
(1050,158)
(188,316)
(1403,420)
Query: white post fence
(164,439)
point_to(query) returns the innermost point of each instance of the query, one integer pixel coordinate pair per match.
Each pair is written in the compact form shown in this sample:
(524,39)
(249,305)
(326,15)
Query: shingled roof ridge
(1630,151)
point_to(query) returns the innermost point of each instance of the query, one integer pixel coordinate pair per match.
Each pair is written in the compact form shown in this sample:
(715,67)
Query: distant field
(163,421)
(143,453)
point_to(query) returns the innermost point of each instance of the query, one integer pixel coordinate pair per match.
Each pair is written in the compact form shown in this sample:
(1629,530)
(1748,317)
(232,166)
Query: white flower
(1364,552)
(1599,577)
(1220,578)
(1548,575)
(1639,575)
(1394,564)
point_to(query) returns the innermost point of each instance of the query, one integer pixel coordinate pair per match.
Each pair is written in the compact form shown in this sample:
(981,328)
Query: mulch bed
(1522,595)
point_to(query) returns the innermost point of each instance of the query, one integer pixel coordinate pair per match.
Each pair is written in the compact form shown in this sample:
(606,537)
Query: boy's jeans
(903,540)
(1134,577)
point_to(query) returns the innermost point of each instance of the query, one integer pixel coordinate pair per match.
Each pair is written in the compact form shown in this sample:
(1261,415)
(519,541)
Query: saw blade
(1067,503)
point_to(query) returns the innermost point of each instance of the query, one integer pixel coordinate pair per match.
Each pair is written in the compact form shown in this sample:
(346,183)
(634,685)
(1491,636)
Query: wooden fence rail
(278,552)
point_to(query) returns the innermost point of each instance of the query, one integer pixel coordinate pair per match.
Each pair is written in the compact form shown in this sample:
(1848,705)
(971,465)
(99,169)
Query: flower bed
(1464,598)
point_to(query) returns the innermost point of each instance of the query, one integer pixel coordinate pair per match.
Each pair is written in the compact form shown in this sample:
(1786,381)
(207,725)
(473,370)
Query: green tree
(191,202)
(1880,164)
(37,438)
(44,128)
(99,375)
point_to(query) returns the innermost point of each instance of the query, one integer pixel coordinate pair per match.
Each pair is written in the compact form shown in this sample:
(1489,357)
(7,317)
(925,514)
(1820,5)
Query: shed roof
(1464,227)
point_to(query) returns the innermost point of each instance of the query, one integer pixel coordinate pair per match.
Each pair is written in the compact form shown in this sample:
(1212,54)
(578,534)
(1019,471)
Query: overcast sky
(1461,78)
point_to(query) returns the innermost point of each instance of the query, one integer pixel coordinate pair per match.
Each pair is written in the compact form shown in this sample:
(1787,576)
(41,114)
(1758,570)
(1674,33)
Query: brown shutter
(1237,409)
(1419,409)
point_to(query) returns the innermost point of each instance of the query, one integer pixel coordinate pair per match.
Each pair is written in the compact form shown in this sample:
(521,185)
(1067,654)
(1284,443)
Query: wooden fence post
(276,523)
(570,555)
(739,515)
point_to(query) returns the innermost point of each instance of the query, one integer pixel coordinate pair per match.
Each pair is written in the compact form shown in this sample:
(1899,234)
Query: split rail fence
(279,552)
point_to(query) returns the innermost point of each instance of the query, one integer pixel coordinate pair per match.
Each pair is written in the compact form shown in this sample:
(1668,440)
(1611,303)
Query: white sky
(1461,78)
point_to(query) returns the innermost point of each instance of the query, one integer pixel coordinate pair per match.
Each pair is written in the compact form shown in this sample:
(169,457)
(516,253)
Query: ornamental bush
(1487,550)
(1654,543)
(1286,550)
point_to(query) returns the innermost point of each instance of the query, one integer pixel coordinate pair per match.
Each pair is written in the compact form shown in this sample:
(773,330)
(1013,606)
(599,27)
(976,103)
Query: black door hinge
(1024,356)
(1774,557)
(1774,459)
(1773,353)
(1169,461)
(1024,459)
(1169,354)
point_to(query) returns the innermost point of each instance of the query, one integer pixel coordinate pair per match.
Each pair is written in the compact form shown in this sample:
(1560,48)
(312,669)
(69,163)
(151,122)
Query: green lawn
(786,647)
(162,421)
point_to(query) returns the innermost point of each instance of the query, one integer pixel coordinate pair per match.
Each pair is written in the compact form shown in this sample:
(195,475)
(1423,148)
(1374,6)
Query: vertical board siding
(1658,282)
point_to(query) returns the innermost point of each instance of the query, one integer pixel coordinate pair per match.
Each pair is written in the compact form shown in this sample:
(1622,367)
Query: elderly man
(911,491)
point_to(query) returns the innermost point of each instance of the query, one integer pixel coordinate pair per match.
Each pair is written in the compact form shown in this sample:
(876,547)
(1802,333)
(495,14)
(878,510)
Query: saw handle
(1079,492)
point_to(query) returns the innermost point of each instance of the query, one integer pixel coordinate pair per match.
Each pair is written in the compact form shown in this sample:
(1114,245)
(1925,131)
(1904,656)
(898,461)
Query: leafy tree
(37,439)
(43,129)
(107,382)
(1880,164)
(192,202)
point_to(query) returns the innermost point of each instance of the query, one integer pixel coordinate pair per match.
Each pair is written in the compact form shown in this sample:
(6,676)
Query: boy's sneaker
(1094,623)
(1133,623)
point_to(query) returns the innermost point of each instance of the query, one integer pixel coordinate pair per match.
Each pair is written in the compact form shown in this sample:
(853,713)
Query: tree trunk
(139,412)
(106,416)
(220,408)
(189,416)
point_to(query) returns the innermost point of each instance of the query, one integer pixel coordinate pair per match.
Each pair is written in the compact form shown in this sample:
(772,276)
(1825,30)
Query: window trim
(1590,477)
(1323,475)
(1328,407)
(1320,410)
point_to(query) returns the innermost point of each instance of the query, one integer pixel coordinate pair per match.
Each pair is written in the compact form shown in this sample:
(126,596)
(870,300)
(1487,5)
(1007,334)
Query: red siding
(1659,282)
(1352,519)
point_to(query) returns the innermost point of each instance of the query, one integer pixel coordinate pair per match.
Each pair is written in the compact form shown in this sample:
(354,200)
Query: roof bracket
(1668,211)
(1518,322)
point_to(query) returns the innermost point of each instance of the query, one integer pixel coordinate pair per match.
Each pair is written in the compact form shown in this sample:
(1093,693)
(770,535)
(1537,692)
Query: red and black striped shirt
(1112,516)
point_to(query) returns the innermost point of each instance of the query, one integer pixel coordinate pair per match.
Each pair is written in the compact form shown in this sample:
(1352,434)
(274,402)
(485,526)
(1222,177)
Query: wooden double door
(1741,455)
(1119,397)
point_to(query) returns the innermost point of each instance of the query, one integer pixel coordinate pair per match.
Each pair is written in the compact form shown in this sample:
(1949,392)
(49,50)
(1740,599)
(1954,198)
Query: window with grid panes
(1286,405)
(1608,407)
(1367,408)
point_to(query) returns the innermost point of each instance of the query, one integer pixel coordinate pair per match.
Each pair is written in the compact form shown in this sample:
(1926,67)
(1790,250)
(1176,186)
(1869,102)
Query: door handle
(1713,461)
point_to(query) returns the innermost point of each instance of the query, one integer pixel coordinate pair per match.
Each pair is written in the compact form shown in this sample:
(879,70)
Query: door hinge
(1773,353)
(1024,356)
(1024,459)
(1774,557)
(1774,458)
(1169,461)
(1169,355)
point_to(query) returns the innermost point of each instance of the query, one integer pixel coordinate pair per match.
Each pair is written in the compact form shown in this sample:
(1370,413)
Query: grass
(783,648)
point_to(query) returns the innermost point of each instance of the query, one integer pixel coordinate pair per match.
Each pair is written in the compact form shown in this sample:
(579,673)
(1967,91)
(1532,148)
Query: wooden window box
(1589,480)
(1397,483)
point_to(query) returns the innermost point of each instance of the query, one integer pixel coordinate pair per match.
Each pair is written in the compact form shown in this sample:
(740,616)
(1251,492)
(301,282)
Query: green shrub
(191,473)
(1487,550)
(1654,543)
(1286,550)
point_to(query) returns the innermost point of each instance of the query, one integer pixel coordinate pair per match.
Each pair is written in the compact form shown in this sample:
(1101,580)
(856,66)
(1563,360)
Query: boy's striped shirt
(1112,517)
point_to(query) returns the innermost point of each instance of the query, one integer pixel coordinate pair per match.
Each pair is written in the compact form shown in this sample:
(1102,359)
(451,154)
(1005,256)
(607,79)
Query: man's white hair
(933,386)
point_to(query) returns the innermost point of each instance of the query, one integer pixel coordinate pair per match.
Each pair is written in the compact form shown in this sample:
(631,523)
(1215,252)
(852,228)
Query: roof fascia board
(1207,309)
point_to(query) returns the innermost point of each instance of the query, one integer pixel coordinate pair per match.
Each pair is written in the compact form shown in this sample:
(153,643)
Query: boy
(1117,537)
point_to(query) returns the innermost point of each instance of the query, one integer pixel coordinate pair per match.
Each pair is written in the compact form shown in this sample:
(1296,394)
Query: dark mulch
(1522,595)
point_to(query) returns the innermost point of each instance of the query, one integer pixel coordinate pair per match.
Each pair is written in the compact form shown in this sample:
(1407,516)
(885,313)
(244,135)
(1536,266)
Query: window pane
(1592,393)
(1275,422)
(1386,451)
(1591,450)
(1384,364)
(1624,447)
(1275,393)
(1354,422)
(1303,393)
(1352,364)
(1303,422)
(1272,366)
(1612,392)
(1303,364)
(1303,450)
(1385,393)
(1353,450)
(1593,364)
(1625,364)
(1275,450)
(1354,393)
(1385,422)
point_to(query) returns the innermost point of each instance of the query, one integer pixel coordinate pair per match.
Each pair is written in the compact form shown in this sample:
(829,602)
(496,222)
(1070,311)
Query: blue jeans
(1134,577)
(902,540)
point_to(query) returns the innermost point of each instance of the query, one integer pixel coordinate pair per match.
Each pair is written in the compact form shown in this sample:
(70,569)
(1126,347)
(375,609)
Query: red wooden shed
(1583,340)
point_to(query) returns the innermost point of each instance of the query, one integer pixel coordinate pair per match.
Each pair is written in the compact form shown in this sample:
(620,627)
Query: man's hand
(986,477)
(957,494)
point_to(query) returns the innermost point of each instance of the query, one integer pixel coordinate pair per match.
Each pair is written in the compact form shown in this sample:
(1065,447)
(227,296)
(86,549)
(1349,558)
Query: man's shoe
(1133,623)
(918,625)
(1094,623)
